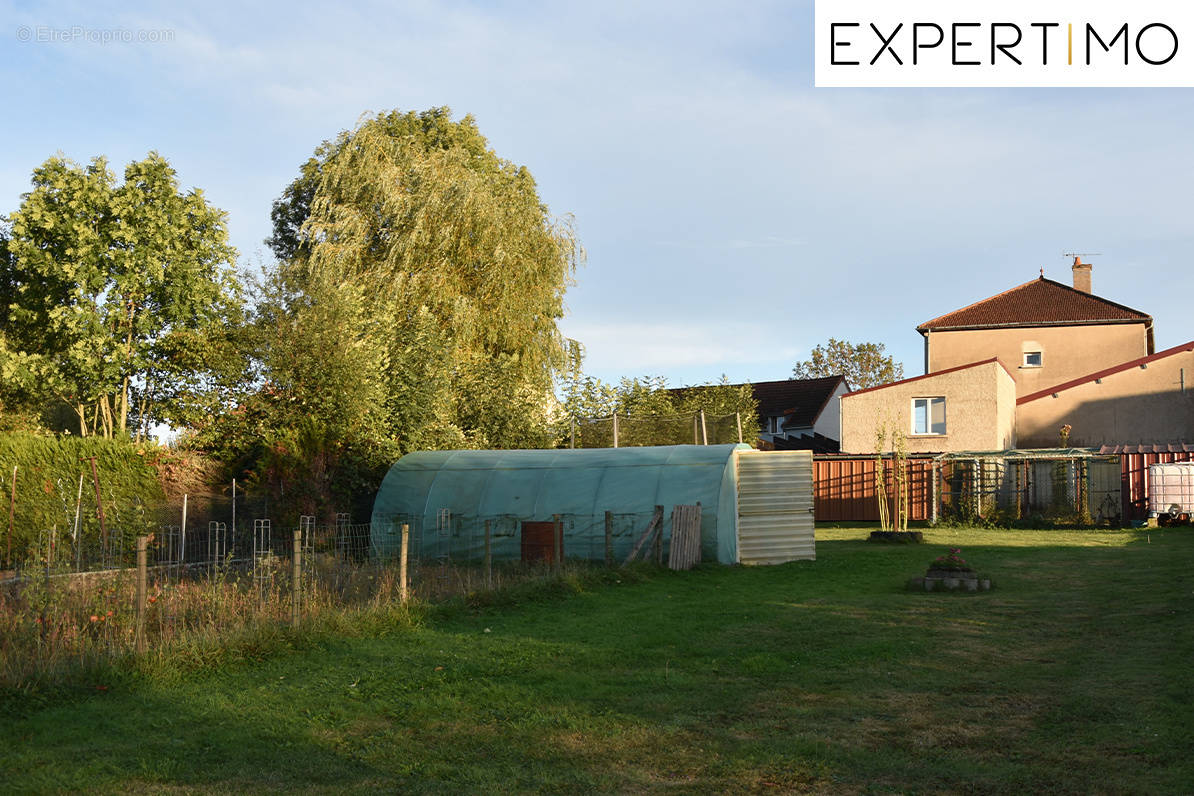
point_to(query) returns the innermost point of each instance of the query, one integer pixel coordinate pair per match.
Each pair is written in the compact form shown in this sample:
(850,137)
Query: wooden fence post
(609,539)
(142,587)
(704,430)
(403,592)
(296,577)
(738,419)
(488,557)
(615,429)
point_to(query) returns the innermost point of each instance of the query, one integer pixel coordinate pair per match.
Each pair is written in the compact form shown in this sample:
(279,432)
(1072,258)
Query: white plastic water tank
(1171,489)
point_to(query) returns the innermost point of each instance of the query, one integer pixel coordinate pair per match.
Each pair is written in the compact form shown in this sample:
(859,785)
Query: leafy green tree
(651,412)
(863,364)
(449,268)
(102,280)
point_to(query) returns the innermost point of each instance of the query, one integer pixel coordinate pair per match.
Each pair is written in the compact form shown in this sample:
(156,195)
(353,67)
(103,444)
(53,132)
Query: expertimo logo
(1063,43)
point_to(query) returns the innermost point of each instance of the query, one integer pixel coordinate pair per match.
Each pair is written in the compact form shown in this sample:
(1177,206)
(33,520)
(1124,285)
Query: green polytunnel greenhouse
(756,507)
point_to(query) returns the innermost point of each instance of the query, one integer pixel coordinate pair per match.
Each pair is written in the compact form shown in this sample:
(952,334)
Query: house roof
(800,401)
(934,374)
(1172,447)
(1135,363)
(1041,302)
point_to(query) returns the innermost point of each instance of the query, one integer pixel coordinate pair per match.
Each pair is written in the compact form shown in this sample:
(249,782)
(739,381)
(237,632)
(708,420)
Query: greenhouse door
(775,506)
(538,542)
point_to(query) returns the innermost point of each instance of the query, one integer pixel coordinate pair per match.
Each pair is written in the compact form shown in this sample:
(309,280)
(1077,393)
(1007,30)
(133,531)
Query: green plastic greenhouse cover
(533,485)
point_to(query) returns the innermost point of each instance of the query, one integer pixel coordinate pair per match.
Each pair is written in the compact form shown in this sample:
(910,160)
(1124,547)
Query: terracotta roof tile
(1041,302)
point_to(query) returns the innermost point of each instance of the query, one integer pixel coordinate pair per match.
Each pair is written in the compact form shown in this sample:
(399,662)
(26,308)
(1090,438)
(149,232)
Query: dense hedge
(47,483)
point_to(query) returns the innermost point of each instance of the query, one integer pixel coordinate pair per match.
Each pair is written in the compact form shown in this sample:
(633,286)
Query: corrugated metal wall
(1134,478)
(775,506)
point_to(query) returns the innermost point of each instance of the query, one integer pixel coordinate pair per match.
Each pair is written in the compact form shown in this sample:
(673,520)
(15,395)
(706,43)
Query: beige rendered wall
(1129,407)
(980,410)
(1069,352)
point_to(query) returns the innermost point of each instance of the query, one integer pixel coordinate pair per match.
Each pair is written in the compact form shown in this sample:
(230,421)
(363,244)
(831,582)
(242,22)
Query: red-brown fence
(844,489)
(844,486)
(1134,467)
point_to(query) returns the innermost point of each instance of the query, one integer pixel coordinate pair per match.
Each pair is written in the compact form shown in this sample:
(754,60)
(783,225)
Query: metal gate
(775,506)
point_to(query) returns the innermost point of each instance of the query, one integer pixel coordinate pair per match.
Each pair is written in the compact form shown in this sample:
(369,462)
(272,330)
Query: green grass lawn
(1072,676)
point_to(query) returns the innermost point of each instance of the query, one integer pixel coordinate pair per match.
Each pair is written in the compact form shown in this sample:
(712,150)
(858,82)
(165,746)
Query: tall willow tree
(442,257)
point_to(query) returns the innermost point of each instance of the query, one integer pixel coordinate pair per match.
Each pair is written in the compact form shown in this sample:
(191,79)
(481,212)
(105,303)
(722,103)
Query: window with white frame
(928,415)
(1033,359)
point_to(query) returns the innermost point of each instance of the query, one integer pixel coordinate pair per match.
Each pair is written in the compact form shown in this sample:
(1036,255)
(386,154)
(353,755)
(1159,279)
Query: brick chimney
(1082,275)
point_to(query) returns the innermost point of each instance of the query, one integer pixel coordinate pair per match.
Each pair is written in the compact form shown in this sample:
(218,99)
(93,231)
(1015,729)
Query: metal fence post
(658,543)
(12,507)
(403,592)
(488,557)
(142,544)
(609,539)
(615,429)
(704,430)
(557,539)
(182,544)
(738,420)
(296,577)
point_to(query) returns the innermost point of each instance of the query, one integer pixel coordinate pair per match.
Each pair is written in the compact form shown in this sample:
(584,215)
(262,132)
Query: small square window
(1033,359)
(928,416)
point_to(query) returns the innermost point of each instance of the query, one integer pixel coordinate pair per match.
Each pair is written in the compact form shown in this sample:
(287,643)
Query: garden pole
(402,587)
(609,539)
(615,429)
(233,513)
(488,558)
(557,531)
(182,553)
(99,506)
(78,516)
(12,507)
(296,577)
(704,430)
(572,433)
(142,543)
(738,420)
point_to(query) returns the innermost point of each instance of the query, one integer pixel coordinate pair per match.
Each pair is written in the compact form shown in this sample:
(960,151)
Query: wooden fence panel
(844,489)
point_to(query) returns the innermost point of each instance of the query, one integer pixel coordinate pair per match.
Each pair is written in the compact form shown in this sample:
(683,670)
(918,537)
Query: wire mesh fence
(1070,487)
(71,601)
(1063,486)
(631,431)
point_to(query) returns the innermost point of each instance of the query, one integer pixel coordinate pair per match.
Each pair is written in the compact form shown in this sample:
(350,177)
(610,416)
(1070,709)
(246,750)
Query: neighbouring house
(970,407)
(1046,333)
(800,413)
(797,414)
(1014,369)
(1144,401)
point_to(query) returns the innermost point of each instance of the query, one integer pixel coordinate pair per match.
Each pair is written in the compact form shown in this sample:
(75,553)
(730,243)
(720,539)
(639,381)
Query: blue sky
(734,215)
